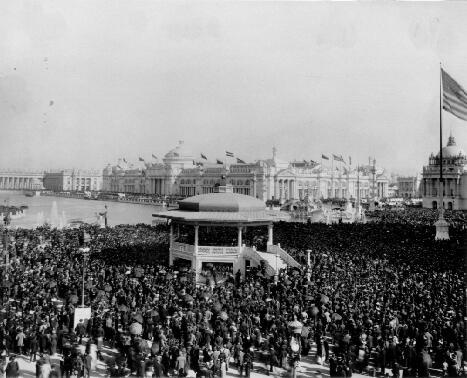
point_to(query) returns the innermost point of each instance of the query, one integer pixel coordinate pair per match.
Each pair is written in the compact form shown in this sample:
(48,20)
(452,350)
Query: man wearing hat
(12,368)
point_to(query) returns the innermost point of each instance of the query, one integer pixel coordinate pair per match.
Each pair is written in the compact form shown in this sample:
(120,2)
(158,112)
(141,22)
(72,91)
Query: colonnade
(159,186)
(16,182)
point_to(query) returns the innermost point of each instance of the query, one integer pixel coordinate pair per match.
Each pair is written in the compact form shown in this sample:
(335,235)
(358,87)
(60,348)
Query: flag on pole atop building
(454,97)
(240,161)
(124,160)
(204,157)
(154,156)
(141,159)
(324,157)
(338,158)
(229,154)
(219,161)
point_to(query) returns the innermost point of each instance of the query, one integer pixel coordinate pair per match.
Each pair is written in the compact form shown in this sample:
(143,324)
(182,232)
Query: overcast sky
(83,83)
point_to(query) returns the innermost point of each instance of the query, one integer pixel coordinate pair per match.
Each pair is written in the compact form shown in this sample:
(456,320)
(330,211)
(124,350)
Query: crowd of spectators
(384,294)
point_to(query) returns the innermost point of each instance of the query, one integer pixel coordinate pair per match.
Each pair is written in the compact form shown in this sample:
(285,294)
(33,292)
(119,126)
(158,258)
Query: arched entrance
(434,205)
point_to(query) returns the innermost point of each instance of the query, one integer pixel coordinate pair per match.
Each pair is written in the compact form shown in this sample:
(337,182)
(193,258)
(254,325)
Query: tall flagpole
(318,194)
(332,177)
(442,227)
(358,191)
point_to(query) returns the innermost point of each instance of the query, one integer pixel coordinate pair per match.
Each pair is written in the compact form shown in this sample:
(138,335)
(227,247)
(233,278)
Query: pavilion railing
(289,260)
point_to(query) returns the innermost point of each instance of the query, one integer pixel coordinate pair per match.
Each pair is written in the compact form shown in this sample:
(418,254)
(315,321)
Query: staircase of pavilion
(289,260)
(282,260)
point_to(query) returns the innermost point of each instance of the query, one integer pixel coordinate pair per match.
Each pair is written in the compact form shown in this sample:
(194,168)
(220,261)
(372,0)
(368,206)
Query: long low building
(21,180)
(181,174)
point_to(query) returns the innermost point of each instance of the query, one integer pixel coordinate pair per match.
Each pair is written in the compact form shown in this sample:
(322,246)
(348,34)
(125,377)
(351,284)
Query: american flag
(454,97)
(229,154)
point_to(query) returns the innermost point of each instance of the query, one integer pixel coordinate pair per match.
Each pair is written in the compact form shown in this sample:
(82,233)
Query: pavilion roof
(224,218)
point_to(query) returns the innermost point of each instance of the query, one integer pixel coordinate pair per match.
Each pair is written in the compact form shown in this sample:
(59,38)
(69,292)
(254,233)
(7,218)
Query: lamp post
(296,329)
(276,273)
(85,251)
(308,274)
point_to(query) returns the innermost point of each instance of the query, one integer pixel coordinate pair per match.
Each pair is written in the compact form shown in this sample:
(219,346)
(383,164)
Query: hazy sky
(83,83)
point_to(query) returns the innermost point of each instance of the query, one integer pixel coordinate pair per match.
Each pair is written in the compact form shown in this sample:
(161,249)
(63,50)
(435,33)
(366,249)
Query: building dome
(452,150)
(179,153)
(222,202)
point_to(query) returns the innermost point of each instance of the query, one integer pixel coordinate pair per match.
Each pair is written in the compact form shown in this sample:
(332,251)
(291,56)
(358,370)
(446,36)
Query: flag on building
(454,97)
(324,157)
(141,159)
(338,158)
(154,156)
(204,157)
(219,161)
(124,160)
(240,161)
(229,154)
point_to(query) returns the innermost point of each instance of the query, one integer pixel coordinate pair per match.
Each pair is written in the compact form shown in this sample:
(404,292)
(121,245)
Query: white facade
(73,180)
(181,174)
(409,186)
(455,179)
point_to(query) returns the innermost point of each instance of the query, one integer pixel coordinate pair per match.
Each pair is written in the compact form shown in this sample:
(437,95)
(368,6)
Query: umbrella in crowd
(123,308)
(136,328)
(138,318)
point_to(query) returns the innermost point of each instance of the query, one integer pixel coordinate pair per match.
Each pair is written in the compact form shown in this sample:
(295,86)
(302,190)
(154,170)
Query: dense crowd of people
(408,215)
(382,294)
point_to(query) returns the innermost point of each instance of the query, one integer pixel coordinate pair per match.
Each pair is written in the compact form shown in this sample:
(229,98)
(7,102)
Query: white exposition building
(455,178)
(181,173)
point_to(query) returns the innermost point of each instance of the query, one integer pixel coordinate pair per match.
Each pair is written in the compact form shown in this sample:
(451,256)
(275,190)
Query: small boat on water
(32,193)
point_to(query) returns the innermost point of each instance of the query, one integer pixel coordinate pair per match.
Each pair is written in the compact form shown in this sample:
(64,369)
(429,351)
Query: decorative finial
(451,140)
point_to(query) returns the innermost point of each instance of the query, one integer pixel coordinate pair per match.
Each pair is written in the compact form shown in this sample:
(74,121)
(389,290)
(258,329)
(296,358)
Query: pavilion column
(239,238)
(171,259)
(196,238)
(195,264)
(270,227)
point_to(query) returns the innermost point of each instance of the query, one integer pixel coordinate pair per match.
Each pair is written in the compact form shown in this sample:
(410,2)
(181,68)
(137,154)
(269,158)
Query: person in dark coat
(158,368)
(33,347)
(39,363)
(53,343)
(67,366)
(87,365)
(12,368)
(273,360)
(80,330)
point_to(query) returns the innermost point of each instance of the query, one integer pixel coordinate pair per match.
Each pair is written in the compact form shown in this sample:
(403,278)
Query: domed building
(181,173)
(455,178)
